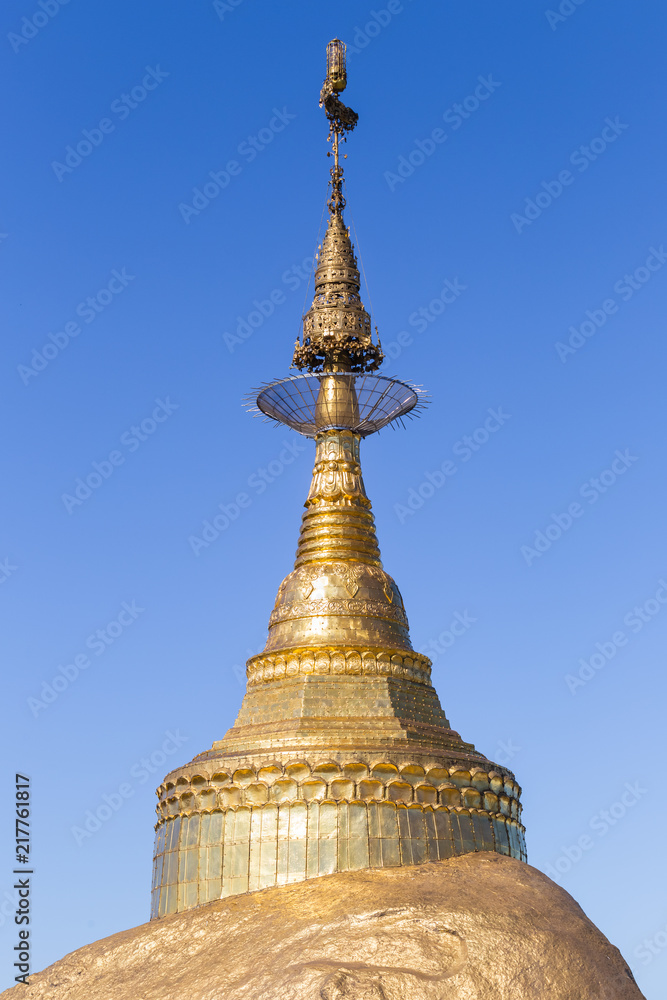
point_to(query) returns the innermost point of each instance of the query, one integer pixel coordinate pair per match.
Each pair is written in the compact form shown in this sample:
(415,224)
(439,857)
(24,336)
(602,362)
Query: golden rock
(478,927)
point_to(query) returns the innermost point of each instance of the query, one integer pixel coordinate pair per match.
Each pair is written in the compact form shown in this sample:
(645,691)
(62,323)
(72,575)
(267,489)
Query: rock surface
(475,927)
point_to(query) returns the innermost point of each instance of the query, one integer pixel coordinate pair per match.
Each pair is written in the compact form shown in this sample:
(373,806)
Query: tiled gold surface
(248,848)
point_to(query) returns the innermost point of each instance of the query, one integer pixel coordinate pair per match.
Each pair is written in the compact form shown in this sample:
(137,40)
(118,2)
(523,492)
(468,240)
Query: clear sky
(506,182)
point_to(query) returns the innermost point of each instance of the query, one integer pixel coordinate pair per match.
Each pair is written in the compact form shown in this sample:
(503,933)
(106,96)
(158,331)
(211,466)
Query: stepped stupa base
(481,926)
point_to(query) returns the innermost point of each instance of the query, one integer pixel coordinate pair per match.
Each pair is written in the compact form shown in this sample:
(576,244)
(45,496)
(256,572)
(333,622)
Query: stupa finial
(337,334)
(341,118)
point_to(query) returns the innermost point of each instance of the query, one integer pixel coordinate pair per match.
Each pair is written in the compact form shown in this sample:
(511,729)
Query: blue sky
(506,186)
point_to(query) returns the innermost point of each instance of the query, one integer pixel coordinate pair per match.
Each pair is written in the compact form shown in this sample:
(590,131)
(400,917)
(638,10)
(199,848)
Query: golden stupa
(341,757)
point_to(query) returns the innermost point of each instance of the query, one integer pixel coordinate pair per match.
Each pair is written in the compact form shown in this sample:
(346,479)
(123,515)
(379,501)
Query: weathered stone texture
(477,927)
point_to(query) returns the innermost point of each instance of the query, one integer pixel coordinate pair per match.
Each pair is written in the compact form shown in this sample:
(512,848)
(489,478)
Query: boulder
(477,927)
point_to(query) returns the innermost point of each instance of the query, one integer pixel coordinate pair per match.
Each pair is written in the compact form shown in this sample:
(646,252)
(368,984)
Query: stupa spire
(341,756)
(337,328)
